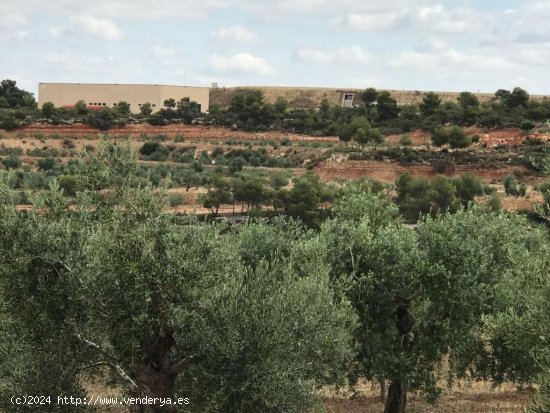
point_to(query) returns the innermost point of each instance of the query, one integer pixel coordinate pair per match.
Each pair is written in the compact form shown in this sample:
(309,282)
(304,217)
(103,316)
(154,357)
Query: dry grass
(478,397)
(300,97)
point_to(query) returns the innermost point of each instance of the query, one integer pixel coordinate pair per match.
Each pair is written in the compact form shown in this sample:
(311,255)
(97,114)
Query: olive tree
(422,295)
(128,294)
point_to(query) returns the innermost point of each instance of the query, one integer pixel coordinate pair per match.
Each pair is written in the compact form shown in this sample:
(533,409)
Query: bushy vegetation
(378,114)
(259,317)
(422,196)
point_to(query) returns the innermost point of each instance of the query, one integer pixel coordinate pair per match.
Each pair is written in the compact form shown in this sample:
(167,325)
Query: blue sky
(394,44)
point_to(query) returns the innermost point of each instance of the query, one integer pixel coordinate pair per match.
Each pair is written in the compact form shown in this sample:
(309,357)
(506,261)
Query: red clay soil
(489,139)
(509,136)
(389,172)
(188,132)
(418,138)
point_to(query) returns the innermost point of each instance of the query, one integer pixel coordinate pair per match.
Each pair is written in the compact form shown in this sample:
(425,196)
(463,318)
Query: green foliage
(421,295)
(8,119)
(48,109)
(236,164)
(80,108)
(420,196)
(386,106)
(494,202)
(218,195)
(359,202)
(12,162)
(69,184)
(251,191)
(511,186)
(468,186)
(175,199)
(249,110)
(455,136)
(405,140)
(527,125)
(303,200)
(440,136)
(370,96)
(175,309)
(468,100)
(15,97)
(123,109)
(430,103)
(102,119)
(154,151)
(316,332)
(279,180)
(46,164)
(146,109)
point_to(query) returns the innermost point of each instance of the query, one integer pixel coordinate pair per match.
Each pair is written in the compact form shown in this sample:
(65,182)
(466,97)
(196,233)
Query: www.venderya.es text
(98,401)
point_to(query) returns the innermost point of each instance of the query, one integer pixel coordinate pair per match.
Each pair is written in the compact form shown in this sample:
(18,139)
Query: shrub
(527,125)
(511,185)
(236,164)
(149,148)
(405,140)
(69,143)
(47,164)
(216,152)
(175,199)
(12,162)
(493,202)
(69,184)
(458,138)
(442,165)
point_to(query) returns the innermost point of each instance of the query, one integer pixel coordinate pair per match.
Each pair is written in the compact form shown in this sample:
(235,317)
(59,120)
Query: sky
(441,45)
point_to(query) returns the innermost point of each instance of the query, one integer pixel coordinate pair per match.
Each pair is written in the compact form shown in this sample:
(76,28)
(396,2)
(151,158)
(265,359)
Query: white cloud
(74,59)
(430,18)
(451,60)
(11,19)
(127,9)
(163,52)
(235,33)
(103,28)
(14,36)
(240,63)
(354,53)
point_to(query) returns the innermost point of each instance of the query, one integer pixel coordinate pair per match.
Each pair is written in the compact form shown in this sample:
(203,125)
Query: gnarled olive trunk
(156,376)
(156,384)
(397,397)
(405,322)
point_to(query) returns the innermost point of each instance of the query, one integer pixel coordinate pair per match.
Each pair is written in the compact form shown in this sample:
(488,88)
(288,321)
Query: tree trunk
(397,397)
(158,383)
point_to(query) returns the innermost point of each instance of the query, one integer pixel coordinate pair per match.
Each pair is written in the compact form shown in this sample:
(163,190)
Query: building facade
(108,95)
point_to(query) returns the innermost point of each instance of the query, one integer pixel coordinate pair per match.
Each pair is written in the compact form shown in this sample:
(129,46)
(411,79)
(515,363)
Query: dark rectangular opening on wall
(347,101)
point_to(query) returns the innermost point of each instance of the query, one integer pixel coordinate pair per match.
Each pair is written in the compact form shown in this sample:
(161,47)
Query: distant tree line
(377,114)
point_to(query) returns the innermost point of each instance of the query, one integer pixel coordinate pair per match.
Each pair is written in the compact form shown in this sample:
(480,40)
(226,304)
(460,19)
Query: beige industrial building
(67,94)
